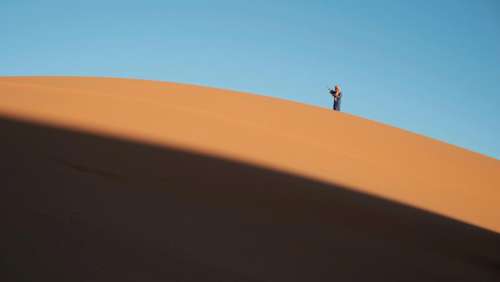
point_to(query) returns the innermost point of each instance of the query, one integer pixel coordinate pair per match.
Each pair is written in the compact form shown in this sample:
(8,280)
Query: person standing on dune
(337,95)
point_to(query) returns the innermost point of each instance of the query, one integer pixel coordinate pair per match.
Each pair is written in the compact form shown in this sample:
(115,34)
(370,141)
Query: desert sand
(132,180)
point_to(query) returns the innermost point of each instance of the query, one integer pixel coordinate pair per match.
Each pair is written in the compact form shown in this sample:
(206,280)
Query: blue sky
(432,67)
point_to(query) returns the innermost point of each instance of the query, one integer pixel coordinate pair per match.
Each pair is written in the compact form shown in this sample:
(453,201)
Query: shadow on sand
(81,207)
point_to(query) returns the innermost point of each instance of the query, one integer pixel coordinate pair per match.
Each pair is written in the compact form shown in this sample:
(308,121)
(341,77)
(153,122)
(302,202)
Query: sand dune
(138,180)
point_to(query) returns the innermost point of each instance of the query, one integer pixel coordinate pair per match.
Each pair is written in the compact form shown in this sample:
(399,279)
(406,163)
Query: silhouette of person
(337,95)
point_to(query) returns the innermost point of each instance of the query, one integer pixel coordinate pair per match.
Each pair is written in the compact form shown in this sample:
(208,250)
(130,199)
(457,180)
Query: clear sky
(432,67)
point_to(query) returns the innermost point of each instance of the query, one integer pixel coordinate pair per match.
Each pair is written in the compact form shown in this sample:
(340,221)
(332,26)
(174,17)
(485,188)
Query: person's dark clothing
(336,100)
(336,104)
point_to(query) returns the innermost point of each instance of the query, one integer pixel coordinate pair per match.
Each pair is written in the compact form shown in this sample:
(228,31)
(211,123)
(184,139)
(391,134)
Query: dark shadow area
(81,207)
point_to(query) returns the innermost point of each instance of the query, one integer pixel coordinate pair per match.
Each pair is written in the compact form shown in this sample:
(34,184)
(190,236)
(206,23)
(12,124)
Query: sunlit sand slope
(292,137)
(128,180)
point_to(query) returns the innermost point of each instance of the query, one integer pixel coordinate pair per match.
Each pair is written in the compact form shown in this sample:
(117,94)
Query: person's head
(337,88)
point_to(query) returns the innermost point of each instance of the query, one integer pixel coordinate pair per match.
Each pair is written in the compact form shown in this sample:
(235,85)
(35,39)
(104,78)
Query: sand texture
(131,180)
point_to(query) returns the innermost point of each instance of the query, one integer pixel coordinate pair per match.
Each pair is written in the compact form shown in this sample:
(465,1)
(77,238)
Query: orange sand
(128,180)
(303,140)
